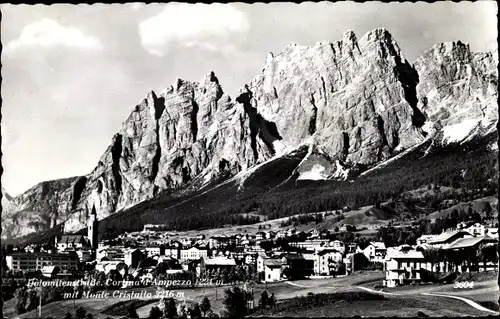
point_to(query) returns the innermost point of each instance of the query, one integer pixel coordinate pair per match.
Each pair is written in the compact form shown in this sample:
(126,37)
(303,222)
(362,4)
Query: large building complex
(36,261)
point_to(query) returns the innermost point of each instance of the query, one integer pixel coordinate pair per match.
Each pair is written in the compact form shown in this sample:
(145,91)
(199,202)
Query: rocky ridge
(354,103)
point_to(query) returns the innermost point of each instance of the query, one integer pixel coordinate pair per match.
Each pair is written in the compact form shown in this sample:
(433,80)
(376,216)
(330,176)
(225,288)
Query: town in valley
(156,265)
(314,159)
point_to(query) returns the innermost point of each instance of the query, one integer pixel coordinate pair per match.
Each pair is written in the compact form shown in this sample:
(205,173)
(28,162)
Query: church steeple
(92,228)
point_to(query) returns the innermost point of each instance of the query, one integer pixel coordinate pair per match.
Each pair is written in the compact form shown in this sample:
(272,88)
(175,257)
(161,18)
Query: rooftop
(220,261)
(412,254)
(471,242)
(378,245)
(71,239)
(273,262)
(443,237)
(41,254)
(328,250)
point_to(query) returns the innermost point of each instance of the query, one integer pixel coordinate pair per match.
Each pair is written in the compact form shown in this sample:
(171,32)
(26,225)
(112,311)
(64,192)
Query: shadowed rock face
(191,131)
(355,99)
(355,102)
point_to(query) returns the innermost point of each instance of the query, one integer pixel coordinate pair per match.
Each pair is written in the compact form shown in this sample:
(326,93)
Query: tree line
(467,167)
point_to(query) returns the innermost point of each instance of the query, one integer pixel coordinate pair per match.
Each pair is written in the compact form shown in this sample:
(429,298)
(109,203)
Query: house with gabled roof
(326,260)
(375,252)
(471,242)
(446,238)
(273,269)
(402,267)
(71,242)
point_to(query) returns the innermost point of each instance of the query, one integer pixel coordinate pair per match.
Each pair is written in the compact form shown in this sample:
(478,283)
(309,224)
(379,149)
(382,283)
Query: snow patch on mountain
(316,173)
(341,173)
(458,132)
(280,148)
(429,127)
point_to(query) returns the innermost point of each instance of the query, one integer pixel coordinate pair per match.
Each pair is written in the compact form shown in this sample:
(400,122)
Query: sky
(73,73)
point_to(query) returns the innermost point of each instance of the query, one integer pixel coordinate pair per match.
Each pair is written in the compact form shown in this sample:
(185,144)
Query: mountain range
(331,112)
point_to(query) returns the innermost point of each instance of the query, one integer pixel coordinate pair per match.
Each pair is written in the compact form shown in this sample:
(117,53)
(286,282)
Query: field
(121,308)
(403,301)
(392,306)
(477,205)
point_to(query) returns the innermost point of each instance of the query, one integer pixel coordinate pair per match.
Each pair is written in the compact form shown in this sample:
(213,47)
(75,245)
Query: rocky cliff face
(458,89)
(41,207)
(355,99)
(353,102)
(190,133)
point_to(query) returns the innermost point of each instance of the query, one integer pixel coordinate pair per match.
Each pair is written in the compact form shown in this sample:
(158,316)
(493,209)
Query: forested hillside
(471,166)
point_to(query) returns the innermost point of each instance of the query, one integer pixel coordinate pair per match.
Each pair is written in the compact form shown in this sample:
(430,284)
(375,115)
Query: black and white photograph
(240,160)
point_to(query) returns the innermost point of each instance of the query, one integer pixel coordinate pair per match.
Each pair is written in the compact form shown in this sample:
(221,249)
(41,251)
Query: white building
(110,253)
(71,242)
(313,233)
(270,234)
(476,230)
(36,261)
(260,263)
(154,251)
(272,269)
(337,245)
(281,234)
(84,255)
(107,266)
(172,251)
(424,239)
(314,244)
(193,253)
(325,261)
(375,252)
(402,267)
(48,271)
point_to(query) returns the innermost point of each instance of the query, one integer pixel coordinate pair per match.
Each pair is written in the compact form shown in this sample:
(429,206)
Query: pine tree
(195,312)
(132,312)
(205,306)
(235,301)
(155,313)
(80,313)
(170,310)
(263,299)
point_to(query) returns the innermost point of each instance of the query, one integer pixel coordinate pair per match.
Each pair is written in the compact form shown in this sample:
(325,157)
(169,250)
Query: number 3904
(464,284)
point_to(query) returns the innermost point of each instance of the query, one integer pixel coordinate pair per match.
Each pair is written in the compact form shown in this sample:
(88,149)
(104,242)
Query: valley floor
(402,301)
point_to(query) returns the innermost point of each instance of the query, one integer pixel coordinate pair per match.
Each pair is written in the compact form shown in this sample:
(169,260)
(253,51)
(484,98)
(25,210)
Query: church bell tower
(92,228)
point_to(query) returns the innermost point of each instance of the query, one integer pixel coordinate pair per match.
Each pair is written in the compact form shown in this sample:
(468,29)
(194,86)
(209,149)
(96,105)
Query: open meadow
(404,301)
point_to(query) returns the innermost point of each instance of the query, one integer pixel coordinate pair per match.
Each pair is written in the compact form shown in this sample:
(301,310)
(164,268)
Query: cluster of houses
(403,264)
(312,257)
(318,257)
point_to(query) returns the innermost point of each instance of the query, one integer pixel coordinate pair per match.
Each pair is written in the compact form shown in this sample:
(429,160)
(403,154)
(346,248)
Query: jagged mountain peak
(354,102)
(458,89)
(210,77)
(375,44)
(452,50)
(349,40)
